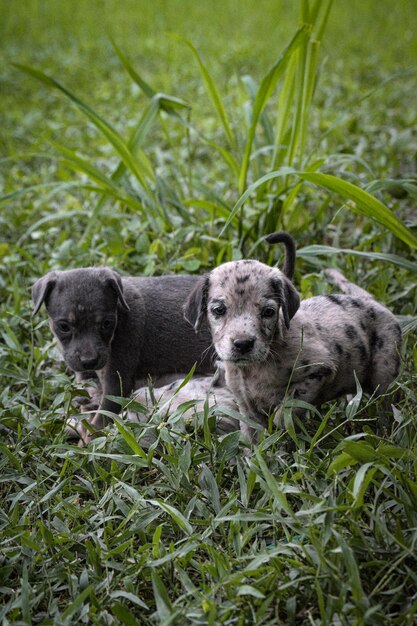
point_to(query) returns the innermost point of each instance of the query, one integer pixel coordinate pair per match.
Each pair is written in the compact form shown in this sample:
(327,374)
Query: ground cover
(319,525)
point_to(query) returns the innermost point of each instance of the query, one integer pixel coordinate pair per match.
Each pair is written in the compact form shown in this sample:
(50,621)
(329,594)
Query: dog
(273,346)
(123,329)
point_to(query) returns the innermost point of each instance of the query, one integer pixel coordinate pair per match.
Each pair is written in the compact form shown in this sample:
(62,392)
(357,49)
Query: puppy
(272,346)
(123,329)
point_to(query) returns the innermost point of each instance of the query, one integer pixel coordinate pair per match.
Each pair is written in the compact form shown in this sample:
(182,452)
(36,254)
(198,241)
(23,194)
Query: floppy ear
(41,290)
(114,280)
(195,307)
(288,298)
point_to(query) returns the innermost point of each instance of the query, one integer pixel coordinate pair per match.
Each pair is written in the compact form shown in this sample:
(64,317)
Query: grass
(261,125)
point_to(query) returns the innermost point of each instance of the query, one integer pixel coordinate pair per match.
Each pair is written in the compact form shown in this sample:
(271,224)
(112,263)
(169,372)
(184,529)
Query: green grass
(252,133)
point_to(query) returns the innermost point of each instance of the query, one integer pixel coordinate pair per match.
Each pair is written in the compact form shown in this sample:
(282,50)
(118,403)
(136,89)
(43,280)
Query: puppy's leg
(93,387)
(114,383)
(315,386)
(249,433)
(385,353)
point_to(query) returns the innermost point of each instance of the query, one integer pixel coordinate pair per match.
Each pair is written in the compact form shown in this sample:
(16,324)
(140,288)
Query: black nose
(244,345)
(89,363)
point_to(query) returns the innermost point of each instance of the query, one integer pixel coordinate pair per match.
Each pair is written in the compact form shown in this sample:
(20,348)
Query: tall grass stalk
(291,81)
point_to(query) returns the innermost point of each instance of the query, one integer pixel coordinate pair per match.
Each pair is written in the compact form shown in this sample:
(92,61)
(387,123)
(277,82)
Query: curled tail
(345,285)
(289,243)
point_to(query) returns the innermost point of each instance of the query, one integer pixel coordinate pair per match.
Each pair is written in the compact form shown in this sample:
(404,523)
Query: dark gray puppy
(123,329)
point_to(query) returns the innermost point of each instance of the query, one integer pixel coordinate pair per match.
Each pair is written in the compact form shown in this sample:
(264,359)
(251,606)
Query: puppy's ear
(290,302)
(41,290)
(195,307)
(114,280)
(288,297)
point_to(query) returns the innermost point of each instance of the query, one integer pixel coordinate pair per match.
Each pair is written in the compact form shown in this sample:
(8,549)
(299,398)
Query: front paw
(89,402)
(251,435)
(86,435)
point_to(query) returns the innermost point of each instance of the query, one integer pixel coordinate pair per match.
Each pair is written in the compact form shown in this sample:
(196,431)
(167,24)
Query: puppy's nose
(244,345)
(89,363)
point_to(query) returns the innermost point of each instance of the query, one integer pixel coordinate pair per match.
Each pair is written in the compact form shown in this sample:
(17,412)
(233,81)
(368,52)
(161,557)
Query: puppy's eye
(218,310)
(268,311)
(107,324)
(63,327)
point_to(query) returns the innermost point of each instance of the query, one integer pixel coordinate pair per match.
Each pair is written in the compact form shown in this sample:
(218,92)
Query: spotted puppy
(271,345)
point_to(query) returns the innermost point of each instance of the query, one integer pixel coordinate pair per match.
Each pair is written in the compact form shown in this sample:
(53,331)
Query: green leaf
(364,203)
(340,462)
(273,486)
(163,603)
(248,590)
(124,615)
(360,451)
(363,477)
(104,127)
(178,517)
(318,250)
(169,104)
(212,91)
(76,604)
(264,93)
(129,437)
(353,571)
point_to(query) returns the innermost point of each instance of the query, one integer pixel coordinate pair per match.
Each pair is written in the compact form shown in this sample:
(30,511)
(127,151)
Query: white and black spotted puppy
(272,346)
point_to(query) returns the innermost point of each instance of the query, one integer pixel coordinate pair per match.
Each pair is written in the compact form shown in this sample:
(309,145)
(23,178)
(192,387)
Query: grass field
(168,137)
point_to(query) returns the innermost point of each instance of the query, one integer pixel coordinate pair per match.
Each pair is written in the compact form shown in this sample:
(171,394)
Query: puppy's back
(170,342)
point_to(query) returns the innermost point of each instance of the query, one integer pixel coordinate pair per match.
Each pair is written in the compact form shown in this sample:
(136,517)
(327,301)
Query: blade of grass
(353,572)
(284,115)
(212,91)
(363,202)
(56,187)
(129,437)
(317,250)
(264,92)
(323,23)
(76,604)
(309,84)
(178,517)
(162,601)
(158,103)
(104,127)
(169,104)
(273,486)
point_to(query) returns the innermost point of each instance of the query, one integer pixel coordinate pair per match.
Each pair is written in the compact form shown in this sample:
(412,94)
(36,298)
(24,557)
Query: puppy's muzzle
(90,361)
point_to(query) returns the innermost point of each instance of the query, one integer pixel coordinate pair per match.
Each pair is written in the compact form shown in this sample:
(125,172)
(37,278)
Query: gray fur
(198,391)
(271,345)
(123,329)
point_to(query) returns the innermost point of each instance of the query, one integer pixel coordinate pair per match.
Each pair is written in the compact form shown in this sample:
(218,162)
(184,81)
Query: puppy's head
(246,303)
(82,306)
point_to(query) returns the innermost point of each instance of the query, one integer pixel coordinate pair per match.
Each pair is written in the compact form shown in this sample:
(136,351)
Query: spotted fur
(271,345)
